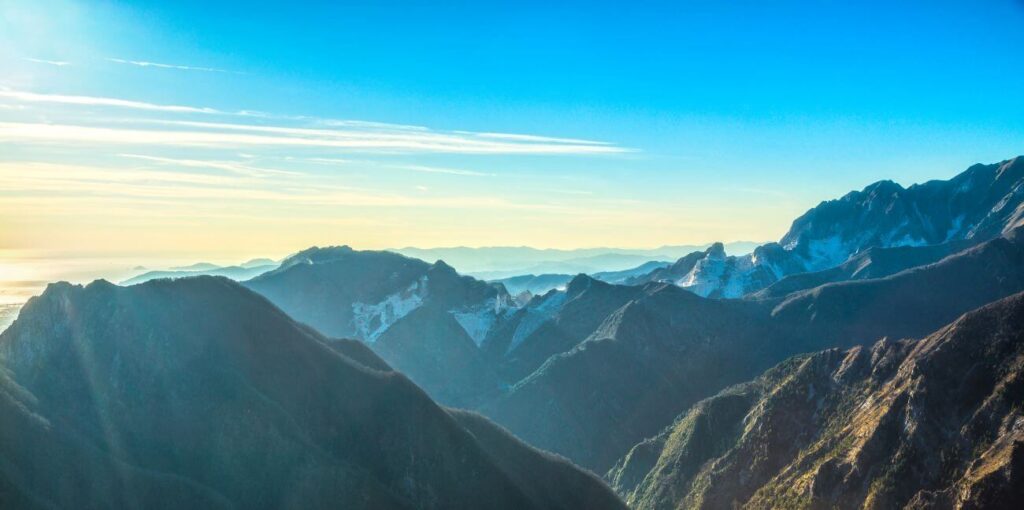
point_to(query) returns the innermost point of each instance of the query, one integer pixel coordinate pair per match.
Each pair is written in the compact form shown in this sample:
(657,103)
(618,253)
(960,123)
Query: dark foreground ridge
(199,393)
(934,423)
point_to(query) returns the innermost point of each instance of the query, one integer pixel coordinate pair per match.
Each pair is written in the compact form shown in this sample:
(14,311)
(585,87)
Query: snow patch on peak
(906,240)
(955,228)
(705,277)
(372,320)
(826,253)
(535,315)
(478,321)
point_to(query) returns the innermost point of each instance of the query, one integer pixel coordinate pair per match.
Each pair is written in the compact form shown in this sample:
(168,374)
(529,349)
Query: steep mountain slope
(909,303)
(935,423)
(200,393)
(983,202)
(418,316)
(552,324)
(449,365)
(667,348)
(874,262)
(646,362)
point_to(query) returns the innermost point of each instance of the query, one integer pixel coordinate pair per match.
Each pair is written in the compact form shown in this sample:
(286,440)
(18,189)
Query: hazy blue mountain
(501,262)
(259,263)
(198,393)
(540,284)
(981,203)
(933,423)
(424,319)
(237,273)
(198,266)
(667,348)
(534,284)
(552,324)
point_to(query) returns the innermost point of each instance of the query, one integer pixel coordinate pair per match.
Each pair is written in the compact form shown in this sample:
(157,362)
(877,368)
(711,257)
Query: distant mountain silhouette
(244,271)
(540,284)
(492,263)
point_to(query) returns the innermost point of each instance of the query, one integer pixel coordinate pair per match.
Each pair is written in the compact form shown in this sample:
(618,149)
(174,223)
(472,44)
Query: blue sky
(645,123)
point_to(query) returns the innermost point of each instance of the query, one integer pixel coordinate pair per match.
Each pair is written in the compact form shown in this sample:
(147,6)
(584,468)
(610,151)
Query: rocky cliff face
(983,202)
(935,423)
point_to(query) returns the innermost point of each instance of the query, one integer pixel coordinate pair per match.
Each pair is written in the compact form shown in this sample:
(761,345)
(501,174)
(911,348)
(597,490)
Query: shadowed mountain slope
(553,324)
(935,423)
(874,262)
(200,393)
(667,348)
(424,319)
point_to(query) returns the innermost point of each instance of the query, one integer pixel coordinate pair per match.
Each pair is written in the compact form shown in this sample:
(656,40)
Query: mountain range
(667,348)
(492,263)
(869,359)
(530,284)
(978,204)
(243,271)
(589,370)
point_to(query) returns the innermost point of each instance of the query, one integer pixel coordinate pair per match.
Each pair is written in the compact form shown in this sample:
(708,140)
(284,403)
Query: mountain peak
(883,186)
(578,284)
(442,266)
(315,254)
(716,250)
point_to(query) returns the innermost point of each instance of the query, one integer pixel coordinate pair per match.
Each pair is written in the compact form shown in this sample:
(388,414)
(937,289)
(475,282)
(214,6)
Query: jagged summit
(980,203)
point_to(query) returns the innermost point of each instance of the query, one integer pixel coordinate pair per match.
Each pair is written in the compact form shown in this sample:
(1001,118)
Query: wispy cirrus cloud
(359,142)
(161,65)
(271,131)
(440,170)
(62,183)
(535,138)
(227,166)
(58,63)
(32,97)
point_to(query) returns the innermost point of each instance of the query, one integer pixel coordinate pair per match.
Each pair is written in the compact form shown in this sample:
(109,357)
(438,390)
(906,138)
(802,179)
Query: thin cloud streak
(143,63)
(58,63)
(69,133)
(227,166)
(536,138)
(438,170)
(32,97)
(352,135)
(54,181)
